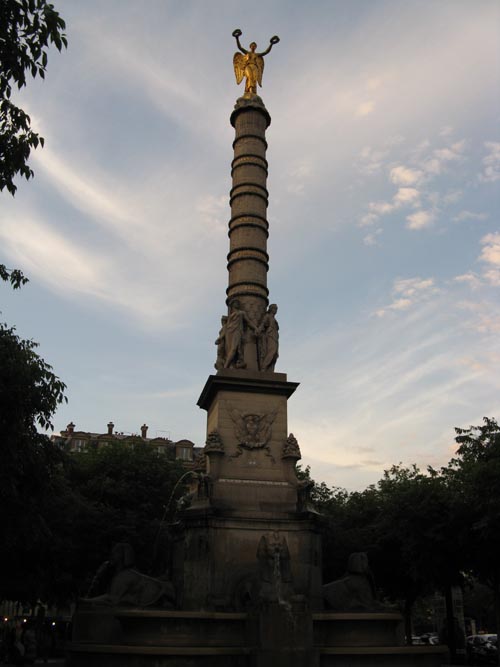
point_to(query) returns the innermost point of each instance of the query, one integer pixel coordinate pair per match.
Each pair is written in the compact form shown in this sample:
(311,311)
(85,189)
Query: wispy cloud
(470,278)
(45,253)
(491,249)
(491,163)
(414,179)
(365,108)
(405,176)
(469,215)
(407,292)
(399,368)
(82,192)
(406,196)
(440,158)
(420,219)
(299,173)
(372,238)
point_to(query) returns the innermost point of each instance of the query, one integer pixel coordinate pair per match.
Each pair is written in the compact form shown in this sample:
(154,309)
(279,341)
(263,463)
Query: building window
(78,445)
(184,453)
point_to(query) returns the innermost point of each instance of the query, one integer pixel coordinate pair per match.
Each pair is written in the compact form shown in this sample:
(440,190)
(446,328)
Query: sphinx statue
(355,591)
(124,586)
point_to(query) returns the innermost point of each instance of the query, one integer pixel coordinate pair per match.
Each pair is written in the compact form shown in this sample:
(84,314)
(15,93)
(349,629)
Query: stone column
(247,261)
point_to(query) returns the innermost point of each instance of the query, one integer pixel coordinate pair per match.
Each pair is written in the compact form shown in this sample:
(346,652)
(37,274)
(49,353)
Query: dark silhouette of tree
(126,490)
(474,475)
(419,536)
(409,525)
(29,396)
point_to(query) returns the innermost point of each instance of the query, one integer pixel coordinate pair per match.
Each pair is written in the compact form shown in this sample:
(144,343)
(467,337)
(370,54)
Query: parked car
(482,649)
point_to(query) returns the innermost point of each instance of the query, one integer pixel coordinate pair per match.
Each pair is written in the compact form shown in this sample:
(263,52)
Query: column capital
(250,103)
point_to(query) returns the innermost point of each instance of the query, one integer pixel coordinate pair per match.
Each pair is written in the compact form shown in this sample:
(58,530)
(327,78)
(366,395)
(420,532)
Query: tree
(27,28)
(474,474)
(409,526)
(60,512)
(29,396)
(117,493)
(420,537)
(131,489)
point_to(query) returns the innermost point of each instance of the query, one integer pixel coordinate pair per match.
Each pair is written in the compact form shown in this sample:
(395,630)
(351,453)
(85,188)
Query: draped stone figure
(235,326)
(221,344)
(268,339)
(250,64)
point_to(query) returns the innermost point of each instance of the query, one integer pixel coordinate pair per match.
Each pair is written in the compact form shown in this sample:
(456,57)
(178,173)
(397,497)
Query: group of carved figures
(231,338)
(118,583)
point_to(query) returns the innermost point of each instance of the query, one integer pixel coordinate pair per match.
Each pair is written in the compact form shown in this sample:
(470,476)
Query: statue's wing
(259,62)
(269,418)
(265,426)
(239,424)
(239,66)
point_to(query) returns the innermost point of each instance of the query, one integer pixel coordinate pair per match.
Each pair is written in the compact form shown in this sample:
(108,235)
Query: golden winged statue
(250,64)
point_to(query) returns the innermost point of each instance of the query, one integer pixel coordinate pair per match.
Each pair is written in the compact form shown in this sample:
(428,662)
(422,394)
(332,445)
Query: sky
(384,174)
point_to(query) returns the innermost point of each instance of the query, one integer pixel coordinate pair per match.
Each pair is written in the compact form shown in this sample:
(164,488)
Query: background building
(77,440)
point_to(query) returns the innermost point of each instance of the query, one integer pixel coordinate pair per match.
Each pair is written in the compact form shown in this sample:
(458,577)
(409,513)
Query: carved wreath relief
(252,431)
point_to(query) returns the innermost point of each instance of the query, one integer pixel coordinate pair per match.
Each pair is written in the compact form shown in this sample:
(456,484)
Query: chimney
(110,428)
(144,431)
(70,428)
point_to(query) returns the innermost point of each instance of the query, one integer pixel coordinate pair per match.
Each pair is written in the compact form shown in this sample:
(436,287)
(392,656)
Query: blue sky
(384,155)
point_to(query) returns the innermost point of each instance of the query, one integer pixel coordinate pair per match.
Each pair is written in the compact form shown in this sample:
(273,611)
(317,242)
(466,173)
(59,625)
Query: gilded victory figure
(250,64)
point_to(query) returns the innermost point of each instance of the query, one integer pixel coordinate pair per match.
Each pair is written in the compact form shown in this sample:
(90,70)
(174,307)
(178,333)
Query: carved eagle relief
(251,430)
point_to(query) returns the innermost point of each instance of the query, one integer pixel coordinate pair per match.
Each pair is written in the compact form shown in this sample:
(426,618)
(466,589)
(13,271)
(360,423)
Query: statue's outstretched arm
(236,35)
(274,40)
(250,322)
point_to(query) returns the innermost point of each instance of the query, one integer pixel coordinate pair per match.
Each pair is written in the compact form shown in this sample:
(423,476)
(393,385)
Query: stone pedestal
(285,637)
(251,491)
(248,413)
(216,565)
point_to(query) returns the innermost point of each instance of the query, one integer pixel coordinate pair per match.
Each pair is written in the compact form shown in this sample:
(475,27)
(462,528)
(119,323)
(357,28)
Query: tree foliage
(408,524)
(13,276)
(88,501)
(60,513)
(27,28)
(474,474)
(29,394)
(127,490)
(423,530)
